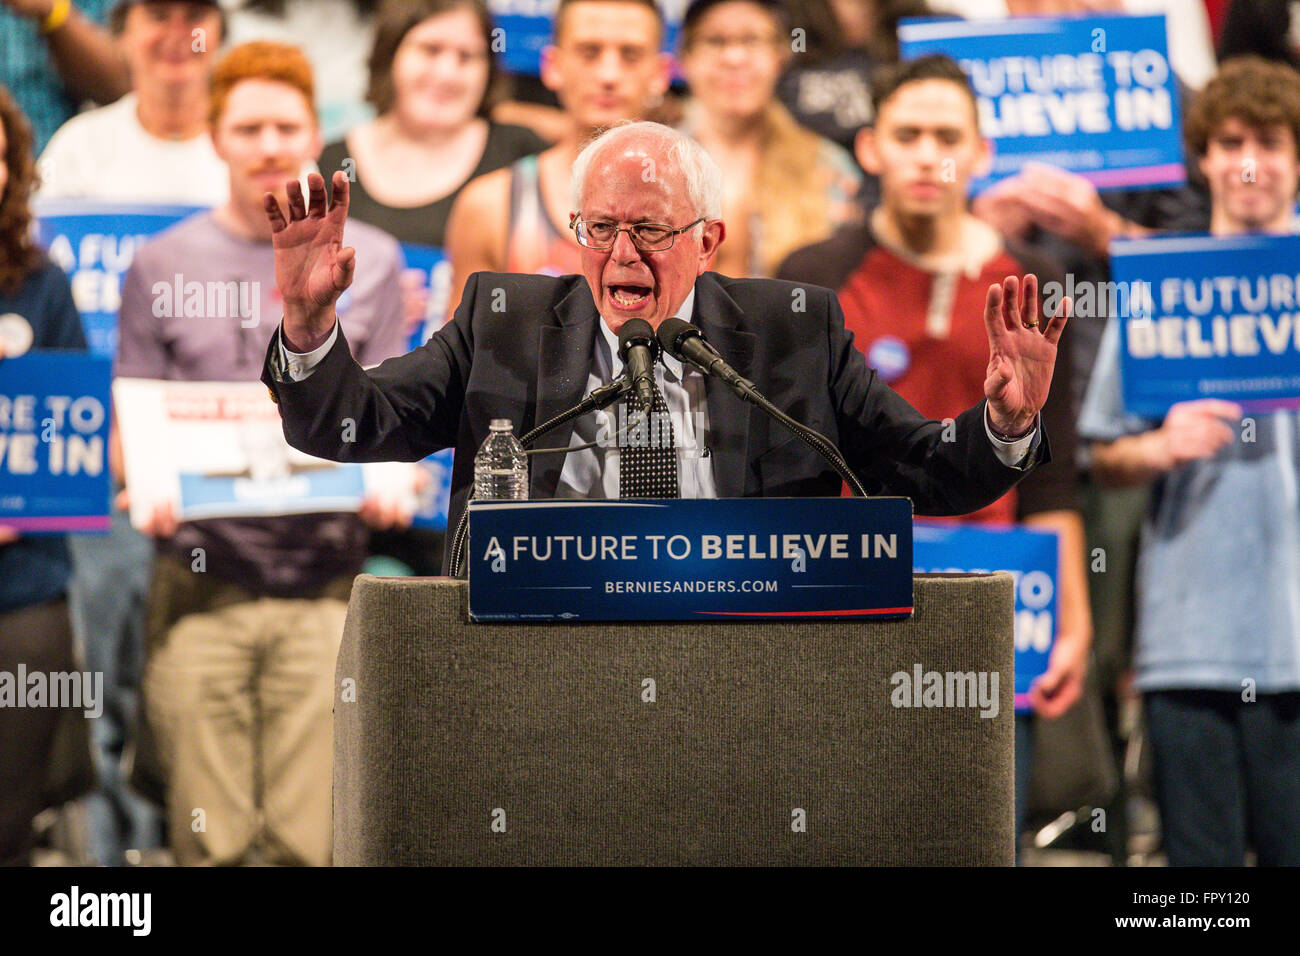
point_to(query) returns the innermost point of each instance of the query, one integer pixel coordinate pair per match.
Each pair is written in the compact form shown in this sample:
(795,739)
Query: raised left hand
(1022,353)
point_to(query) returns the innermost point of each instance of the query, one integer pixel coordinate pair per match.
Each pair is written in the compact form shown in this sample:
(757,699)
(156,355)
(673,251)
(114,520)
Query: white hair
(701,174)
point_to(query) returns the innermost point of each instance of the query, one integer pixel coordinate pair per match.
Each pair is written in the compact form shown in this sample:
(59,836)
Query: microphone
(638,348)
(686,343)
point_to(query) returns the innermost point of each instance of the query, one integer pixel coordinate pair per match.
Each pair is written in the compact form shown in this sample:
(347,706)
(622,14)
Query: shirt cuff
(298,365)
(1012,453)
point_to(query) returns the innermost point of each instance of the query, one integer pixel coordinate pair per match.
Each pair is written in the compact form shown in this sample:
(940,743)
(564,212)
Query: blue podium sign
(1211,317)
(1093,95)
(1031,556)
(727,559)
(54,415)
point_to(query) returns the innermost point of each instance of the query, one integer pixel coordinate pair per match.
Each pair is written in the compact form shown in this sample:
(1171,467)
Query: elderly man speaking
(647,213)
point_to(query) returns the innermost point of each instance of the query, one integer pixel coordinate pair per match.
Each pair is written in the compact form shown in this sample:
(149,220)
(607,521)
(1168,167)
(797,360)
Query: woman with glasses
(784,186)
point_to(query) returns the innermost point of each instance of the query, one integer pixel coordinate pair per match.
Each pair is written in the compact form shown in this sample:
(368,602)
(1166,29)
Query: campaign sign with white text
(523,27)
(1209,317)
(94,243)
(217,450)
(1031,556)
(54,411)
(1092,95)
(691,560)
(426,283)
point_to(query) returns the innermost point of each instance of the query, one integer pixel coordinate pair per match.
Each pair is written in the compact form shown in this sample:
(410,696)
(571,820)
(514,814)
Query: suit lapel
(563,365)
(717,315)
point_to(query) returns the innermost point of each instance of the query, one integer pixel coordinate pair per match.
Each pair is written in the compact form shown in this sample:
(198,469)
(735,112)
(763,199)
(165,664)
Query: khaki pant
(239,691)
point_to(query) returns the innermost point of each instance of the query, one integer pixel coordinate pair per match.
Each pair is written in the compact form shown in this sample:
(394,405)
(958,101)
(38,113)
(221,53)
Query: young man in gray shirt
(240,670)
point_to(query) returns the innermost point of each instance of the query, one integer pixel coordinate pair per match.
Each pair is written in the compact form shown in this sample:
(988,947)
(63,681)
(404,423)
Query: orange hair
(260,60)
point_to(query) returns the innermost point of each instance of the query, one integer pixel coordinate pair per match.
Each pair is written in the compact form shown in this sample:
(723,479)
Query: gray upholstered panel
(453,720)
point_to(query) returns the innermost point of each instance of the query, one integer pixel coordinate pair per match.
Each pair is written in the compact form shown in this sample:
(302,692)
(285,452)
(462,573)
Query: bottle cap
(501,425)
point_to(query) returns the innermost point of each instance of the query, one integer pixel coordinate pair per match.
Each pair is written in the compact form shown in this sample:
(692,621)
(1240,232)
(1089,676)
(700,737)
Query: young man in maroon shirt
(911,281)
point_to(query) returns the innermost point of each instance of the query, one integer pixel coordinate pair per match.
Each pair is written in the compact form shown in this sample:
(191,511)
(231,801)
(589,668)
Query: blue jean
(1227,776)
(106,598)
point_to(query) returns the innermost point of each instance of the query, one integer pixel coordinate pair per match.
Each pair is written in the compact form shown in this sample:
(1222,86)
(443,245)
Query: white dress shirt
(594,472)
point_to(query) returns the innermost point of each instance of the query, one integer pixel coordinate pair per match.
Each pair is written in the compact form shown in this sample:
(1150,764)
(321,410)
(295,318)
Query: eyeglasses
(646,236)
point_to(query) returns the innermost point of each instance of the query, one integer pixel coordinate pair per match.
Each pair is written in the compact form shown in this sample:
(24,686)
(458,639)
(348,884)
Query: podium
(772,743)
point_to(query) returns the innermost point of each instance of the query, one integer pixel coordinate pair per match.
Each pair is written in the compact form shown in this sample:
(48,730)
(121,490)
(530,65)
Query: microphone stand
(814,439)
(687,343)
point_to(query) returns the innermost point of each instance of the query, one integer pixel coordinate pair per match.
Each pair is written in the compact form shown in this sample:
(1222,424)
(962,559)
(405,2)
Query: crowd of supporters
(843,167)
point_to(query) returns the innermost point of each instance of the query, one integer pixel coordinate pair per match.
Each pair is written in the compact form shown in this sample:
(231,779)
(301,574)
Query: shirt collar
(672,367)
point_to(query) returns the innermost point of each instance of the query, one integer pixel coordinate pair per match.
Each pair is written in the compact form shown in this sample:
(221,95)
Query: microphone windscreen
(670,334)
(636,332)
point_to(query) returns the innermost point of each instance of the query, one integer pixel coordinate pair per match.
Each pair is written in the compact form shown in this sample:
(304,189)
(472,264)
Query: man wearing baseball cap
(160,148)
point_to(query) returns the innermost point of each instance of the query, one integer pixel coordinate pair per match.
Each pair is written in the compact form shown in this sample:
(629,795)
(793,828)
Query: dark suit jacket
(520,347)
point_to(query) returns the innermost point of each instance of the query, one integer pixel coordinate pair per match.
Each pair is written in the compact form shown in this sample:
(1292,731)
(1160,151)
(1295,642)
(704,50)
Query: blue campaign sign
(434,499)
(94,243)
(336,488)
(428,278)
(725,560)
(1030,556)
(54,411)
(426,286)
(526,26)
(1092,95)
(1208,317)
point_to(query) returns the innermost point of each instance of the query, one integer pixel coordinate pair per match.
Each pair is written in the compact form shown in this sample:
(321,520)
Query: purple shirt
(279,556)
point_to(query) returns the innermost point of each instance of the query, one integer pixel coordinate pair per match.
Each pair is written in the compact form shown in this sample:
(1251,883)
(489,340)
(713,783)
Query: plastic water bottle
(501,467)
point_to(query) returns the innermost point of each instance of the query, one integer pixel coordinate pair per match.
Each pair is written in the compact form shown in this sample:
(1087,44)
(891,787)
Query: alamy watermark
(1099,300)
(132,911)
(74,689)
(210,299)
(922,688)
(632,428)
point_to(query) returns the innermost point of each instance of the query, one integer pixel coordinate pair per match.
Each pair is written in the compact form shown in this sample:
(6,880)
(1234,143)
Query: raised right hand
(1196,430)
(312,266)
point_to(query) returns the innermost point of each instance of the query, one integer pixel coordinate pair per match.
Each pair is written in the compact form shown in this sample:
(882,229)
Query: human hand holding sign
(1022,354)
(1059,688)
(312,266)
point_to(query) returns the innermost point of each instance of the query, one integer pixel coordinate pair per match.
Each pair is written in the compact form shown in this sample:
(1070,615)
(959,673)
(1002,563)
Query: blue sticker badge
(890,357)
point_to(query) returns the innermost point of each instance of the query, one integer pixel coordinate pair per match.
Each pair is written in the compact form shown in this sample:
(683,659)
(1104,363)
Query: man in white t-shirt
(152,145)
